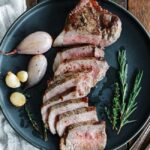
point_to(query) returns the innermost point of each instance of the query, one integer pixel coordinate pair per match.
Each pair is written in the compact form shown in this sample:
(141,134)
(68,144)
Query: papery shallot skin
(35,43)
(36,70)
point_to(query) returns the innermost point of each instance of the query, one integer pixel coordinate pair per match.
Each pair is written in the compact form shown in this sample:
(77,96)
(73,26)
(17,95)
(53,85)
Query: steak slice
(67,95)
(89,23)
(76,53)
(84,136)
(99,68)
(62,108)
(75,116)
(81,80)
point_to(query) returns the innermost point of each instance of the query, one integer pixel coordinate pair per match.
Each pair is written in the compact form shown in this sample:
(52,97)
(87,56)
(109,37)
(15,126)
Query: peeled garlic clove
(36,43)
(36,70)
(12,81)
(17,99)
(22,76)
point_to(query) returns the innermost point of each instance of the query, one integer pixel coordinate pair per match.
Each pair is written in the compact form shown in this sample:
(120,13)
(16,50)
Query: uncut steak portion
(76,53)
(89,23)
(72,117)
(62,108)
(84,136)
(98,68)
(83,82)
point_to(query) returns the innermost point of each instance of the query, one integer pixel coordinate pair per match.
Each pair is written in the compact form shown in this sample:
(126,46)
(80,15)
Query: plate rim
(39,5)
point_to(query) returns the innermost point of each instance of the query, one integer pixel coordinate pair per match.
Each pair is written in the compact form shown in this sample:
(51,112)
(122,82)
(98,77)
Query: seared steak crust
(89,23)
(88,30)
(71,93)
(77,53)
(89,135)
(81,80)
(62,108)
(98,68)
(75,116)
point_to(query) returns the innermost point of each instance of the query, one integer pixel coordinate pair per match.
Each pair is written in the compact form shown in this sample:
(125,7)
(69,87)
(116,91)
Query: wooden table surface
(141,9)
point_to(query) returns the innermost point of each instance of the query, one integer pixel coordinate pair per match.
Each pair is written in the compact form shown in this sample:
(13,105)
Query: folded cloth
(9,11)
(9,139)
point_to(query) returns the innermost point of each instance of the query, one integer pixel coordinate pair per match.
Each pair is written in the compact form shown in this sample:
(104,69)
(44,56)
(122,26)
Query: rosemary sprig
(132,104)
(113,116)
(123,69)
(34,123)
(45,134)
(116,106)
(122,107)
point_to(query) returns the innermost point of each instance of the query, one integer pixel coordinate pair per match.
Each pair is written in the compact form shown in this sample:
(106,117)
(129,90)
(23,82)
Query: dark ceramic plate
(50,16)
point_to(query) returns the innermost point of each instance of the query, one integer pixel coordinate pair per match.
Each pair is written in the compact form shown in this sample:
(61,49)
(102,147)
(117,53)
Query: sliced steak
(99,68)
(84,136)
(67,95)
(81,80)
(75,116)
(76,53)
(62,108)
(89,23)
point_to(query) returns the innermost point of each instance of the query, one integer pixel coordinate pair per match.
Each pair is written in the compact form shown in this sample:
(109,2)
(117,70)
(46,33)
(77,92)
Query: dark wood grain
(141,9)
(121,2)
(31,3)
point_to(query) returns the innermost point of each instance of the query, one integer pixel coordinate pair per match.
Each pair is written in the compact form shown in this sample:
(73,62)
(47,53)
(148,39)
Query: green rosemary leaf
(45,134)
(108,114)
(131,105)
(131,121)
(34,123)
(116,106)
(122,108)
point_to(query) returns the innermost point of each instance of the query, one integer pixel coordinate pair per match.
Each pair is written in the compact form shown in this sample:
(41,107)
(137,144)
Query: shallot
(36,70)
(35,43)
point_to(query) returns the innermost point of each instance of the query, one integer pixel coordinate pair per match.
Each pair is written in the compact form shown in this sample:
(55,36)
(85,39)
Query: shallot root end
(15,51)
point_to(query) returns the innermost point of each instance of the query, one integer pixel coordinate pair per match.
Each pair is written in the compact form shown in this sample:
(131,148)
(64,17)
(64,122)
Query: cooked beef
(81,80)
(89,29)
(75,116)
(89,23)
(76,53)
(84,136)
(62,108)
(67,95)
(99,68)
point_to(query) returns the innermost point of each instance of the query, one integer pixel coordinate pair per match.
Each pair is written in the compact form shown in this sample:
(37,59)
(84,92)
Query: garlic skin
(12,81)
(35,43)
(17,99)
(36,70)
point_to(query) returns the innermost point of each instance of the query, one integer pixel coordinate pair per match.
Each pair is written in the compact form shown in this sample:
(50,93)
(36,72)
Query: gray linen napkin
(9,139)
